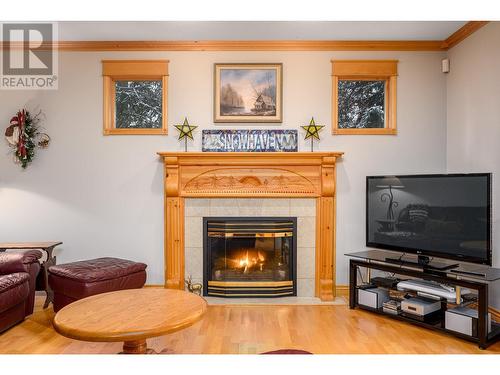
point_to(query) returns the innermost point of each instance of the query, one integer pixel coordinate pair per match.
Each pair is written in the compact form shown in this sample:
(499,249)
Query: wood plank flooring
(255,329)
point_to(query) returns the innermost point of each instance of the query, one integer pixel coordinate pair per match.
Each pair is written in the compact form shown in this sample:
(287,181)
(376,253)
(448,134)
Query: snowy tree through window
(361,104)
(138,104)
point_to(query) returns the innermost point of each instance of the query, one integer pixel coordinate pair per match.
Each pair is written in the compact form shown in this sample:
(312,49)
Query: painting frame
(269,115)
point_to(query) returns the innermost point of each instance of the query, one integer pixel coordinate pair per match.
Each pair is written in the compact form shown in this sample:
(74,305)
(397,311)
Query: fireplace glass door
(250,257)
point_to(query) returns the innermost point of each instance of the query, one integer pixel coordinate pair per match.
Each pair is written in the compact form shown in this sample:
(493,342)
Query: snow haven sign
(249,140)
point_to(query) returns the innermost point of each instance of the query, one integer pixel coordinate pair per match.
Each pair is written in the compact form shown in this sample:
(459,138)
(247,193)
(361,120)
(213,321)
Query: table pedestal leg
(51,261)
(136,347)
(49,298)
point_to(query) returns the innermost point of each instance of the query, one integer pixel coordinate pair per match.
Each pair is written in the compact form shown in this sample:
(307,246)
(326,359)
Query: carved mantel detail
(284,174)
(249,181)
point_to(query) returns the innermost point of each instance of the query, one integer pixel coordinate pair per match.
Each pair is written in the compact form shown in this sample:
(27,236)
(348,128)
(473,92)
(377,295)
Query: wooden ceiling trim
(266,45)
(465,31)
(245,45)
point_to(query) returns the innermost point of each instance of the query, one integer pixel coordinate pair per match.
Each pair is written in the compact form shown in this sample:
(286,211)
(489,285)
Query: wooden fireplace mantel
(251,175)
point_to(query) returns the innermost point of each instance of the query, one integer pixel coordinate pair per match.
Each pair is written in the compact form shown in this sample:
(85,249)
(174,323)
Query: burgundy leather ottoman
(73,281)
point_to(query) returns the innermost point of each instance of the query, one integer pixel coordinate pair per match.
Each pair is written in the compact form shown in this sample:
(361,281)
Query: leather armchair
(18,272)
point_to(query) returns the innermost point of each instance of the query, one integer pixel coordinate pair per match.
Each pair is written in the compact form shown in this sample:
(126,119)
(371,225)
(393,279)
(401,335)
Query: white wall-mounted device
(445,65)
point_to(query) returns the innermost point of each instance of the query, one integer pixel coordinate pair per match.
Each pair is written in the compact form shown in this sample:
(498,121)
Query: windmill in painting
(248,93)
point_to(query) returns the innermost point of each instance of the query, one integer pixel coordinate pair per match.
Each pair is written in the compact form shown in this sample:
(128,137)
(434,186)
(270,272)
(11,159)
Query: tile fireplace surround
(304,209)
(299,184)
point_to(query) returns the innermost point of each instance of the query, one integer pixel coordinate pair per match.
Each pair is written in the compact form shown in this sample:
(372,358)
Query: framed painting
(248,93)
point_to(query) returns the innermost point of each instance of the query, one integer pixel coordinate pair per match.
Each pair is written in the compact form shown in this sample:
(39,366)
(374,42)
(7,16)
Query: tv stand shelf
(475,283)
(434,266)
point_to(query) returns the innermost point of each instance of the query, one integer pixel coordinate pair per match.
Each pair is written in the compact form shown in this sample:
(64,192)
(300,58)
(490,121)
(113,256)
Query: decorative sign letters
(249,140)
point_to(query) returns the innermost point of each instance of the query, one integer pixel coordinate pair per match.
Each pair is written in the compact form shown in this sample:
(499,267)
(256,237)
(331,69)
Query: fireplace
(250,175)
(249,256)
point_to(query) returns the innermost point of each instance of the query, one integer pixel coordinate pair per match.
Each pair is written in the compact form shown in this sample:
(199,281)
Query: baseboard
(153,286)
(342,290)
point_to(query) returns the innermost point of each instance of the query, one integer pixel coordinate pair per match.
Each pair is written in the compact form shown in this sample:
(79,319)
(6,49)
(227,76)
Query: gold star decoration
(185,130)
(312,130)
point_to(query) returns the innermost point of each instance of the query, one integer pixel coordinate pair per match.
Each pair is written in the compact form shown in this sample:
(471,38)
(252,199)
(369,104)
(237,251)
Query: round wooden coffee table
(130,316)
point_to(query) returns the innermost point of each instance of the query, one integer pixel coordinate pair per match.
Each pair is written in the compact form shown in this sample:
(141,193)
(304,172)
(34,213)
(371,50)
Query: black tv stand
(423,264)
(477,278)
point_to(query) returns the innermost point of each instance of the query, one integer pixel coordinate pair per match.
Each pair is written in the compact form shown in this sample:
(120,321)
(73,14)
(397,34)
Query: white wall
(473,110)
(103,195)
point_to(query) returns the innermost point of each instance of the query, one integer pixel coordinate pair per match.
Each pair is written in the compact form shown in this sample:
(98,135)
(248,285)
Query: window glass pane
(361,104)
(138,104)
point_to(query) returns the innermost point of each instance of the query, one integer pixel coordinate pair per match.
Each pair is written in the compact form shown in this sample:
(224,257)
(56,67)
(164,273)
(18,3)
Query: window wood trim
(386,70)
(133,70)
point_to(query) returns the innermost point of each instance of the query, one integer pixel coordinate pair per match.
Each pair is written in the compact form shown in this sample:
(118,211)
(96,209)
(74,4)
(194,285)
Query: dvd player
(420,306)
(431,288)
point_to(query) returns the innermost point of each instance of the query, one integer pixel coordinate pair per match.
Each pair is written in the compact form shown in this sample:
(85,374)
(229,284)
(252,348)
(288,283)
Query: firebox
(249,256)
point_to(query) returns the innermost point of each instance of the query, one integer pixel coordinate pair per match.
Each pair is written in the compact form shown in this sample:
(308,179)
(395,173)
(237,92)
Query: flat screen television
(439,215)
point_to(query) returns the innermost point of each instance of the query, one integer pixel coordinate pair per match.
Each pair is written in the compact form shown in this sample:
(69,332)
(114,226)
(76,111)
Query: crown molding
(244,45)
(265,45)
(465,31)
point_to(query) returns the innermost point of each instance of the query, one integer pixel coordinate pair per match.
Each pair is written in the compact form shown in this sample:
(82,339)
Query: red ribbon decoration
(21,121)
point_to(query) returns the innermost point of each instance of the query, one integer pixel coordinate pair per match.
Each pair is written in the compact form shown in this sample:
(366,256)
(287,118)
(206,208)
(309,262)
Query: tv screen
(446,216)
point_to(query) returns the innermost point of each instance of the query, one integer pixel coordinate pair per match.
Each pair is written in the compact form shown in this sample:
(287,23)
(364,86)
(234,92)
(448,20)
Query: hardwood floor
(256,329)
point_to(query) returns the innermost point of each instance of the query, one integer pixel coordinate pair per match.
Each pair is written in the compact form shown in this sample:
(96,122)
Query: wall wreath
(24,136)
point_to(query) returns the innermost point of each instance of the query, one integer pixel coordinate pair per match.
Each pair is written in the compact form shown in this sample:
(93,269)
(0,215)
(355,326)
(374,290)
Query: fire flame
(248,260)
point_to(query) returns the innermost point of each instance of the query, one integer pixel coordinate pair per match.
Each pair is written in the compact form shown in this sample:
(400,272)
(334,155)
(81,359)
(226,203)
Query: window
(364,96)
(135,96)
